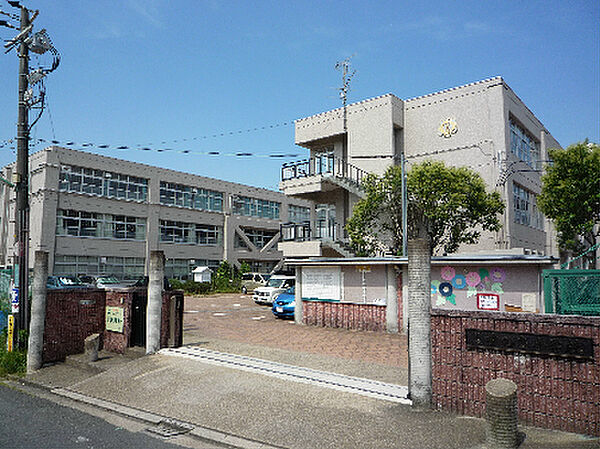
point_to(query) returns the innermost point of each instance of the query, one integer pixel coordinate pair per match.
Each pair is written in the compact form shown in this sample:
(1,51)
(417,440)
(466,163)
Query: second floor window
(190,233)
(525,208)
(91,224)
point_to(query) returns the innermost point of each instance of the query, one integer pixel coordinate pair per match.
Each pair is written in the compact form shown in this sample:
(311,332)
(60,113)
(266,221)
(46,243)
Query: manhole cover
(168,428)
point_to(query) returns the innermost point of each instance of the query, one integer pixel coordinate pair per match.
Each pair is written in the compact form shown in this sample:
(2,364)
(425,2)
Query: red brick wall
(71,316)
(347,316)
(553,392)
(117,341)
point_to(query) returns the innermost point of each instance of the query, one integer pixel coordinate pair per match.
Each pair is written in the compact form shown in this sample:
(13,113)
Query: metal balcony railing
(322,165)
(301,232)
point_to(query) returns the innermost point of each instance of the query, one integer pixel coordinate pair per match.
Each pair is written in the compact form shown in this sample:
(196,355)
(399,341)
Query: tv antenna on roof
(347,75)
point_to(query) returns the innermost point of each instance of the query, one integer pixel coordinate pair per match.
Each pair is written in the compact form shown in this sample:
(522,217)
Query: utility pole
(21,247)
(39,43)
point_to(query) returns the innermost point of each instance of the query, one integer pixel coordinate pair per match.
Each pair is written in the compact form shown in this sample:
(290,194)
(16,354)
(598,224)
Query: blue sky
(143,72)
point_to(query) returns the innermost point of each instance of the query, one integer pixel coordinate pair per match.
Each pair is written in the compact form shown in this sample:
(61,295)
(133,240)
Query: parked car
(250,281)
(110,282)
(275,285)
(64,282)
(285,303)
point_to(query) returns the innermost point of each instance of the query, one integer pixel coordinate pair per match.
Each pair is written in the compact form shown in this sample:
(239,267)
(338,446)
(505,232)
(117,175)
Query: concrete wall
(455,287)
(553,391)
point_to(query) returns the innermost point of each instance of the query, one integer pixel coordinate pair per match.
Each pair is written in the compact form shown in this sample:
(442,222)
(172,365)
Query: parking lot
(235,317)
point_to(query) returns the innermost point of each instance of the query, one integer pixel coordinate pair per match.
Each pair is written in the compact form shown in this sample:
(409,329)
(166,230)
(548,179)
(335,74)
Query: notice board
(321,283)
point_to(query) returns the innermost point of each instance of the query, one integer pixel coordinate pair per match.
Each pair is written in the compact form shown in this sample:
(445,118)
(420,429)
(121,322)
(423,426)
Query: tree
(448,205)
(571,194)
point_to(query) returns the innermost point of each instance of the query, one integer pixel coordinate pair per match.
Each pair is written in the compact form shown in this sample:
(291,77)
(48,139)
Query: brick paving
(237,318)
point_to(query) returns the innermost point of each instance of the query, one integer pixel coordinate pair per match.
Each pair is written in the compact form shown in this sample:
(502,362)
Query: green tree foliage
(449,205)
(571,194)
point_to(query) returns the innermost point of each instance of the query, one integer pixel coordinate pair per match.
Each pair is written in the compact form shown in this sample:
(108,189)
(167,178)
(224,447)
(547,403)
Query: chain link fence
(572,292)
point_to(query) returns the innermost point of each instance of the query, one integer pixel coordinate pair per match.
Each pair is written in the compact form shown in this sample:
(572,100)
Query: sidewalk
(251,410)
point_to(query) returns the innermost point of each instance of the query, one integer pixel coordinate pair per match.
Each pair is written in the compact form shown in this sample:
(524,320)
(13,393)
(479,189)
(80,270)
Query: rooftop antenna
(347,75)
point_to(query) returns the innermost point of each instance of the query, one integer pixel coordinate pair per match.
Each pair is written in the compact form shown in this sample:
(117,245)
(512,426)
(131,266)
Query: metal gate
(138,320)
(572,292)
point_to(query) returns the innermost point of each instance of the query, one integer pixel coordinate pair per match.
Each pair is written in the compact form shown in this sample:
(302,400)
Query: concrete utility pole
(38,312)
(21,248)
(419,322)
(154,308)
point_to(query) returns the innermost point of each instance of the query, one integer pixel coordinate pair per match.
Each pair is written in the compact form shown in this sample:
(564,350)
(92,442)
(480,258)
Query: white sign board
(488,301)
(321,283)
(529,302)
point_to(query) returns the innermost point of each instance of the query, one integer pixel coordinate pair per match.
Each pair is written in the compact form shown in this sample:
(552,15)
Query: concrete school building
(482,125)
(100,215)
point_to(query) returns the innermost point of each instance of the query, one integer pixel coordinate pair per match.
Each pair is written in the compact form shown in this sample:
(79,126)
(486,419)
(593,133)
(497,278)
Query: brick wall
(117,341)
(553,392)
(71,316)
(344,315)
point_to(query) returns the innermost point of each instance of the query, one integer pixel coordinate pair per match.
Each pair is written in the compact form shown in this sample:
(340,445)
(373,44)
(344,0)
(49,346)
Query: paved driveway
(236,318)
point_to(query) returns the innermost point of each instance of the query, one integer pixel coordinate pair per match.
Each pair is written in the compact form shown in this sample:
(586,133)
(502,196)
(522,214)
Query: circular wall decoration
(448,127)
(497,274)
(445,289)
(459,281)
(447,273)
(473,279)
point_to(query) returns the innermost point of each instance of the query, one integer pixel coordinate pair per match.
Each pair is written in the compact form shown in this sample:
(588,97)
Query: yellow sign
(114,319)
(10,333)
(448,127)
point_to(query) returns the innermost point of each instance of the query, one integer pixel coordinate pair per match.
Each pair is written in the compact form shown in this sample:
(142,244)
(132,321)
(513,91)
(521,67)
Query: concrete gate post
(154,308)
(298,309)
(38,312)
(419,322)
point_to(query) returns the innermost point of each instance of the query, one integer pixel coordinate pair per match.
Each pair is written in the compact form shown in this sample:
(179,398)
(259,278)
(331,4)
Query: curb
(198,432)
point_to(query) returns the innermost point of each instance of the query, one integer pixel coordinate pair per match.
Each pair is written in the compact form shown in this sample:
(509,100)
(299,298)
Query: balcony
(324,239)
(311,177)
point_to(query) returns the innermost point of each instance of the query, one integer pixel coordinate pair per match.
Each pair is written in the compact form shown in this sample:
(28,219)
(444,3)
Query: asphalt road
(29,422)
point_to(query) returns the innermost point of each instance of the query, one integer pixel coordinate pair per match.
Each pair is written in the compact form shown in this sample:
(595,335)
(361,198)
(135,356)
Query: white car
(276,285)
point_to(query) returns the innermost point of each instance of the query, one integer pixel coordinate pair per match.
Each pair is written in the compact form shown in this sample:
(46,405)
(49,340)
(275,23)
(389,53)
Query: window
(324,160)
(102,183)
(198,234)
(524,145)
(90,224)
(525,208)
(298,214)
(191,197)
(254,207)
(121,267)
(259,237)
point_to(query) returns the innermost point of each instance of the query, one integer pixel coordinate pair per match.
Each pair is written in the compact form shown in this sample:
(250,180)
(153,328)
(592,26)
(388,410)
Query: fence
(572,292)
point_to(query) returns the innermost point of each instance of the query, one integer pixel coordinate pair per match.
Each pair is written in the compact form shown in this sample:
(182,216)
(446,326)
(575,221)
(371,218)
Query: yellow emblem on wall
(448,127)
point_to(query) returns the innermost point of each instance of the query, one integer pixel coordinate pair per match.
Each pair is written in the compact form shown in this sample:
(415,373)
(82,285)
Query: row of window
(524,145)
(253,207)
(91,224)
(192,233)
(192,197)
(525,208)
(116,185)
(102,183)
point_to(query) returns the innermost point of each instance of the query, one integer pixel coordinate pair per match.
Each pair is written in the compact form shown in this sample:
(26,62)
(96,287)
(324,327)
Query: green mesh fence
(572,292)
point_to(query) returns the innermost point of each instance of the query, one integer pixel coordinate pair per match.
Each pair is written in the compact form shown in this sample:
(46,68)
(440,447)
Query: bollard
(501,414)
(91,346)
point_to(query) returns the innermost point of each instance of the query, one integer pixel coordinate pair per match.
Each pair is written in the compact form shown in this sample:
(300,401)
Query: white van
(276,285)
